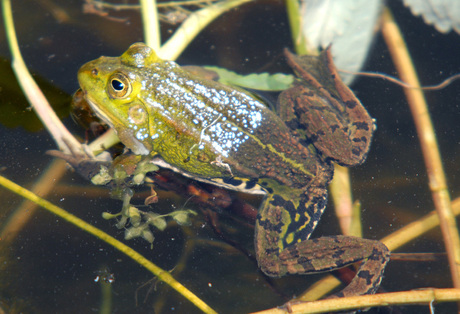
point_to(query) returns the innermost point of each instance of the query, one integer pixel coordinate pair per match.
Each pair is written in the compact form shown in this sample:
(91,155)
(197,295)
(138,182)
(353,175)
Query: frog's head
(112,86)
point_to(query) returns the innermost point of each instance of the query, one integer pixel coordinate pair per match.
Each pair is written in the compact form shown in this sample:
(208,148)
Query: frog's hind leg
(279,252)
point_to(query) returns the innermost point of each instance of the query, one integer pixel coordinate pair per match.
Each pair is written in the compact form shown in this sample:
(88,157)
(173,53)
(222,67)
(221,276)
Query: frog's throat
(126,137)
(100,113)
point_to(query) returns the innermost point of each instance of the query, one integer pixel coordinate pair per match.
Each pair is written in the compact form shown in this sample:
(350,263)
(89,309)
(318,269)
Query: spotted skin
(223,135)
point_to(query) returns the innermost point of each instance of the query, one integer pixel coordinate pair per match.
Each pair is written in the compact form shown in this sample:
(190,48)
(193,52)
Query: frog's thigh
(329,253)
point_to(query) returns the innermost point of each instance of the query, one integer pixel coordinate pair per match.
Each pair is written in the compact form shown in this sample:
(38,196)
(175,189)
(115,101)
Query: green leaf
(107,215)
(134,216)
(102,178)
(262,81)
(148,235)
(133,232)
(182,217)
(156,220)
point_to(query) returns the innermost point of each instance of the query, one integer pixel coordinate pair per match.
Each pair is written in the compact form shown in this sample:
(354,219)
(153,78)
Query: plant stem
(151,23)
(194,24)
(295,23)
(427,137)
(161,274)
(417,297)
(16,221)
(31,90)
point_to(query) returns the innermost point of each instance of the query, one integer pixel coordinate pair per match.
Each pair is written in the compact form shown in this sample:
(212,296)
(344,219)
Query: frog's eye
(119,86)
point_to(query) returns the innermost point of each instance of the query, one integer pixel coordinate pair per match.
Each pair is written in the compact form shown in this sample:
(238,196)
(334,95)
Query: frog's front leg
(282,246)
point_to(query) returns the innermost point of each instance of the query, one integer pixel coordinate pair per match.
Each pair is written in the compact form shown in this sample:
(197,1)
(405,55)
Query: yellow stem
(426,296)
(161,274)
(191,27)
(427,137)
(151,23)
(340,191)
(16,221)
(31,90)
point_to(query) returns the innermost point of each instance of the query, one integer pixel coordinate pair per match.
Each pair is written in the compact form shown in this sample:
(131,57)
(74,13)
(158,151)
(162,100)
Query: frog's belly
(241,185)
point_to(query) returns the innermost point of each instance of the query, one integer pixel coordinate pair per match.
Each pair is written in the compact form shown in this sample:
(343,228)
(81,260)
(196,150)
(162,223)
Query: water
(52,266)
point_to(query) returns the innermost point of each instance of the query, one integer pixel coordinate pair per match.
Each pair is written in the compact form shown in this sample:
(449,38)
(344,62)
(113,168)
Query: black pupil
(117,85)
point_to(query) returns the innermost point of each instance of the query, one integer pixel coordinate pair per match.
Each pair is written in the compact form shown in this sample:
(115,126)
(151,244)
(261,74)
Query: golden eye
(119,86)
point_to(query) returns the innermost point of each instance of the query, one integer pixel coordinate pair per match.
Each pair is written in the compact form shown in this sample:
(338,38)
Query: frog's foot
(375,256)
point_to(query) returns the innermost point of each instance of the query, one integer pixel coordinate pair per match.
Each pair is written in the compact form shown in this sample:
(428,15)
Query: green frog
(226,136)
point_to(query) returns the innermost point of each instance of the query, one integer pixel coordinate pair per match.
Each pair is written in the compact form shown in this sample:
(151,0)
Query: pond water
(51,266)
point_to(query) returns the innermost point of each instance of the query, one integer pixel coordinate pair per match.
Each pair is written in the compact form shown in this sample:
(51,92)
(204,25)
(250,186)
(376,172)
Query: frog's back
(226,129)
(199,127)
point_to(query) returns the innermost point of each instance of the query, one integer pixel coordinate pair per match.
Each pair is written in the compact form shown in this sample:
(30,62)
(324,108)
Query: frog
(226,136)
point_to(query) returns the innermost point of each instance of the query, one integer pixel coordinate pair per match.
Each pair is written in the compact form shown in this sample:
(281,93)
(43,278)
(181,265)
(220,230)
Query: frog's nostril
(94,72)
